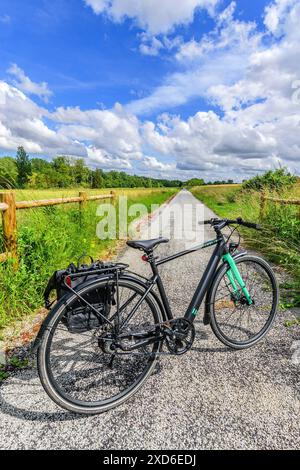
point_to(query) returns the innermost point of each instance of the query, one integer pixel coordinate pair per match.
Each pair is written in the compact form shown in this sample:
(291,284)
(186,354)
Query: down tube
(205,283)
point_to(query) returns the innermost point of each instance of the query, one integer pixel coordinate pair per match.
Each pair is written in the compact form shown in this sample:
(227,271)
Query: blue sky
(161,90)
(87,59)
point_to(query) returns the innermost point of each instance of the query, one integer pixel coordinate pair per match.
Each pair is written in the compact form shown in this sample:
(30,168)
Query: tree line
(66,172)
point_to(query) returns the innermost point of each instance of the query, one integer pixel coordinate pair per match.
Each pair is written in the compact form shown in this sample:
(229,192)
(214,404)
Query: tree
(63,172)
(24,167)
(81,172)
(8,173)
(97,179)
(195,182)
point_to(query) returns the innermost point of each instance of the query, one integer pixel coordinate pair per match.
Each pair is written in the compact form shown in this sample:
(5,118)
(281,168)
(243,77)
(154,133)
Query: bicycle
(98,370)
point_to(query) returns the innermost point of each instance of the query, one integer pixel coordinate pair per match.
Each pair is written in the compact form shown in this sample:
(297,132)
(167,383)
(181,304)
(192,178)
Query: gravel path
(211,398)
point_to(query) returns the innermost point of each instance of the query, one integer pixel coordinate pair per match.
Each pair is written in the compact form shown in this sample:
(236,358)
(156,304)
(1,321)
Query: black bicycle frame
(204,284)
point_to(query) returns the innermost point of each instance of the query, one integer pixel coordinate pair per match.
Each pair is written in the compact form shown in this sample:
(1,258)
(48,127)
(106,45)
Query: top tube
(207,244)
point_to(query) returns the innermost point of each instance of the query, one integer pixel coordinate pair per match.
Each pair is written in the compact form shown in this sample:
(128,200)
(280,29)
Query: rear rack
(108,268)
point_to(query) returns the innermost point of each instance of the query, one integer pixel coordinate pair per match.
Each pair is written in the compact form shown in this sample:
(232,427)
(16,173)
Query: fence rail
(9,207)
(264,199)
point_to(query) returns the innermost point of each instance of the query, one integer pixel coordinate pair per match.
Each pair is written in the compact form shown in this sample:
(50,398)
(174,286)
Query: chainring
(180,336)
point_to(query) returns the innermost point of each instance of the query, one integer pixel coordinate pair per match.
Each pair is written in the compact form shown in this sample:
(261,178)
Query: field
(279,240)
(50,238)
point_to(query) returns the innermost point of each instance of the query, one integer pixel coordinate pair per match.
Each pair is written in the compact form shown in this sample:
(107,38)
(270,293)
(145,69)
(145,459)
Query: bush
(272,180)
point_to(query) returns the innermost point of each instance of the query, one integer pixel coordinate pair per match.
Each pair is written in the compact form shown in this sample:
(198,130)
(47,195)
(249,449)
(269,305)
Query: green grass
(50,238)
(221,199)
(36,194)
(280,239)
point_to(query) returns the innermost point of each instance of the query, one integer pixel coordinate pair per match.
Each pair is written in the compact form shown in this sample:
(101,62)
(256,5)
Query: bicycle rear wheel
(82,372)
(236,323)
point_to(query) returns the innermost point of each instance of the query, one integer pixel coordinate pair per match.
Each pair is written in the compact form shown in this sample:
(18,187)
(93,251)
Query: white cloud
(110,139)
(154,16)
(213,147)
(229,34)
(155,165)
(22,123)
(219,58)
(152,46)
(99,6)
(23,83)
(276,14)
(113,131)
(98,158)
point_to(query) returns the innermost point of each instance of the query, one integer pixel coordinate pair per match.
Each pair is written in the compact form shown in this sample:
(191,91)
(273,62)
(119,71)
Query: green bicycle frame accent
(234,275)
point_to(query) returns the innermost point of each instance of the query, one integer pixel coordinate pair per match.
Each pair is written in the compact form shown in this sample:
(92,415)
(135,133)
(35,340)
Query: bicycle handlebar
(222,223)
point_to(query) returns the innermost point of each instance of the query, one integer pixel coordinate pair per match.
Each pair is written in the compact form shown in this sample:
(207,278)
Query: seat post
(152,263)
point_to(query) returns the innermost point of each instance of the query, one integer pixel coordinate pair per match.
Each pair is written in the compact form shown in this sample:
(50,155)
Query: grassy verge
(50,238)
(280,239)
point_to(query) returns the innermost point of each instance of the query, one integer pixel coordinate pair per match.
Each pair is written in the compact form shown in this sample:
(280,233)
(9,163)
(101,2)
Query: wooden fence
(9,207)
(285,202)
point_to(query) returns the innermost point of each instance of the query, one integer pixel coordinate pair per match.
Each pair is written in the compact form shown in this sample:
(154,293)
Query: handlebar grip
(239,221)
(251,225)
(205,222)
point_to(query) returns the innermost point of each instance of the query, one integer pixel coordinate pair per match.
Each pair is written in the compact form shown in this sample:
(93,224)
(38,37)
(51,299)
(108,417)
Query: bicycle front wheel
(236,323)
(82,372)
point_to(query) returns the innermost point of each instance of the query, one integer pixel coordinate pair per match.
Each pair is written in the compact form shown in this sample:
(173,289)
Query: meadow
(279,240)
(50,238)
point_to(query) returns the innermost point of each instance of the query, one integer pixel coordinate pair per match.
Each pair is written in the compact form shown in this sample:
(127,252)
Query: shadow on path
(32,387)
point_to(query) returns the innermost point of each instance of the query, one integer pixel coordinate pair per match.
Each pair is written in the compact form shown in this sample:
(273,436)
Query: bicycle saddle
(146,245)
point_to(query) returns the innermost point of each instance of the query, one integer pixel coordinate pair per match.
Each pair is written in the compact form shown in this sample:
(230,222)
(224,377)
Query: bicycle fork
(235,278)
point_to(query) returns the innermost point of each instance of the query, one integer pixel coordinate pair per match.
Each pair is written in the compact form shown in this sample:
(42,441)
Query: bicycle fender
(206,318)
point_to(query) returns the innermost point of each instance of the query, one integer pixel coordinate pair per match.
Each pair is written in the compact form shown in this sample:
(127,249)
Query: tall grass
(279,240)
(50,238)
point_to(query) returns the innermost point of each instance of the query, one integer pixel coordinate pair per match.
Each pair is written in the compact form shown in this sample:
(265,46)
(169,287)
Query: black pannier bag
(81,317)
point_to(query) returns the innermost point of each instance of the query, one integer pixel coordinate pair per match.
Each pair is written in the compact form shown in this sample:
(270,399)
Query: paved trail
(211,398)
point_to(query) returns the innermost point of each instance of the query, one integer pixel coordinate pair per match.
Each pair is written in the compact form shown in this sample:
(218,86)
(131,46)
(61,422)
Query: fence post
(9,223)
(263,203)
(113,196)
(82,204)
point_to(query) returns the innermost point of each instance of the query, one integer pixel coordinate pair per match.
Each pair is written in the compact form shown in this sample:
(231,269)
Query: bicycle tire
(44,365)
(215,321)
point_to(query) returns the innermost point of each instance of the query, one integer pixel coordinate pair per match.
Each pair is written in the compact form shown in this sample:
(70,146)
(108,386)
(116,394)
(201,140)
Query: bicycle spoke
(84,368)
(237,320)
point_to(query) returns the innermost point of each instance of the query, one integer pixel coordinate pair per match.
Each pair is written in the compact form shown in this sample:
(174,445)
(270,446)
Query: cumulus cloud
(114,131)
(276,15)
(22,123)
(23,83)
(208,145)
(153,46)
(153,16)
(219,58)
(153,164)
(109,139)
(99,158)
